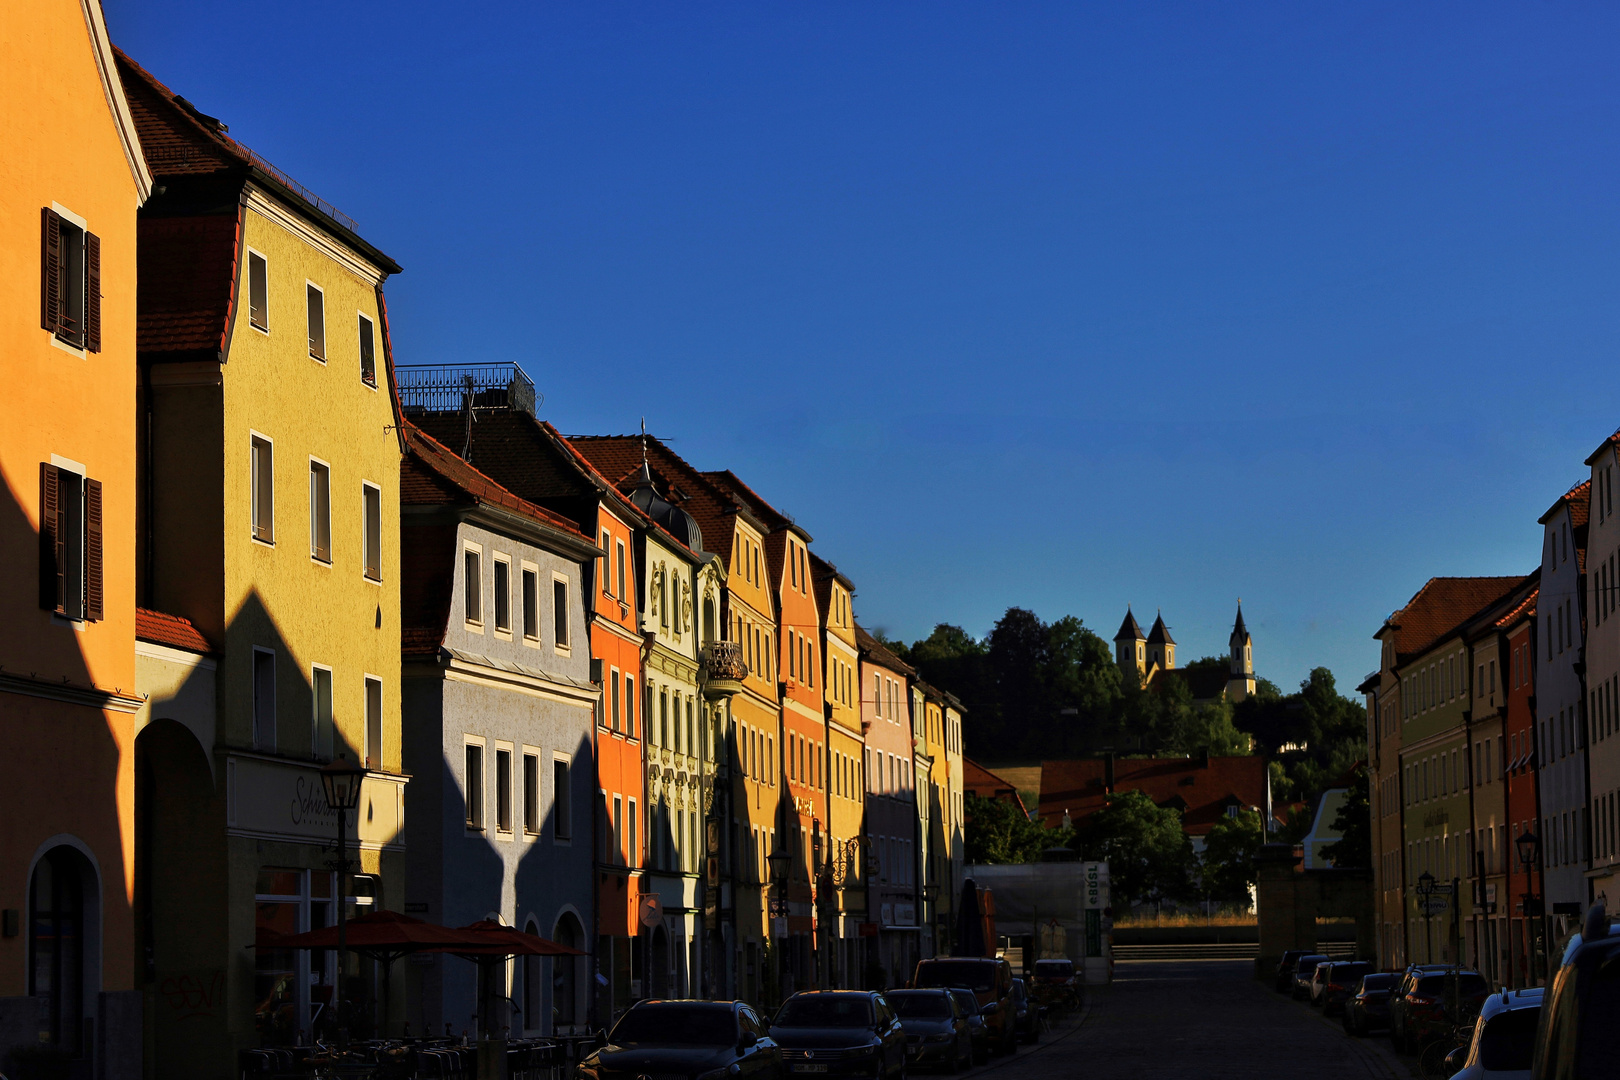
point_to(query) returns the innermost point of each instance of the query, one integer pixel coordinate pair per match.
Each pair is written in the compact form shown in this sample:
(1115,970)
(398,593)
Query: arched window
(565,973)
(56,945)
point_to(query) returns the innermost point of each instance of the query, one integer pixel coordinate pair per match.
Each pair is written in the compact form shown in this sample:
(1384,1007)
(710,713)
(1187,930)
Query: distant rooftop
(442,388)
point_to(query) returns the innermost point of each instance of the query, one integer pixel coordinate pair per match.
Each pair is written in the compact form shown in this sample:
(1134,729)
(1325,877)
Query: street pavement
(1203,1019)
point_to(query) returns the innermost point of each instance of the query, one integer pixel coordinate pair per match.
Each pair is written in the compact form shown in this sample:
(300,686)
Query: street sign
(1434,905)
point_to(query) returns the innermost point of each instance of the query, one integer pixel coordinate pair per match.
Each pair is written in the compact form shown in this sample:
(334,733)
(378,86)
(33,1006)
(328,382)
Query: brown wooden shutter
(50,269)
(50,541)
(92,550)
(92,292)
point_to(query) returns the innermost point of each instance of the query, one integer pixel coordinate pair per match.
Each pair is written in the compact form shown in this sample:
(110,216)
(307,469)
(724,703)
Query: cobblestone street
(1208,1020)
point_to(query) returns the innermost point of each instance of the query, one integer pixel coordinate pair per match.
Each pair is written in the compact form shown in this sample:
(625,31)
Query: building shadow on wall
(62,858)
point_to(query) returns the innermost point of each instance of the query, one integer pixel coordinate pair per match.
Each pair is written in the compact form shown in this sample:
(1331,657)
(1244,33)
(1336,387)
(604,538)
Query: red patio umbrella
(497,944)
(382,934)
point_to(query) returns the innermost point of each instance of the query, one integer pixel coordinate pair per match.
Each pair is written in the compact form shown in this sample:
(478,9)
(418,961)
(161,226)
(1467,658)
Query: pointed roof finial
(644,479)
(1129,630)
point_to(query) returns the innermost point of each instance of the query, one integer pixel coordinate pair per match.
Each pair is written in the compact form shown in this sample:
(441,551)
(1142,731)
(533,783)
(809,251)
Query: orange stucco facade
(67,699)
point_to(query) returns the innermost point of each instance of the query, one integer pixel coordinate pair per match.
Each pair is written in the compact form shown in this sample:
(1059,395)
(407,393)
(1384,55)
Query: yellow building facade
(843,892)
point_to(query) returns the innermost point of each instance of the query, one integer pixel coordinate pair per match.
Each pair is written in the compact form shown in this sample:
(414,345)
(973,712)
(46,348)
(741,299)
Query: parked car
(714,1038)
(990,979)
(1056,982)
(1578,1036)
(1421,1012)
(1403,986)
(1335,982)
(1368,1007)
(937,1029)
(1304,970)
(1026,1011)
(979,1031)
(839,1033)
(1285,969)
(1504,1038)
(1576,939)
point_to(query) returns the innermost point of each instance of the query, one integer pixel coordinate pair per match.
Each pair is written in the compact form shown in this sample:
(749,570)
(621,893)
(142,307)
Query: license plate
(809,1068)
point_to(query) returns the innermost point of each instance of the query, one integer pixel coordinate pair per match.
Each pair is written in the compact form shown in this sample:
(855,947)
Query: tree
(1149,857)
(1354,825)
(1230,851)
(997,833)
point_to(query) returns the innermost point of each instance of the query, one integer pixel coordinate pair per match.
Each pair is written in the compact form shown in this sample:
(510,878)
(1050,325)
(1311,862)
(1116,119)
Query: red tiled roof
(713,508)
(1525,609)
(987,785)
(761,509)
(1579,501)
(1604,445)
(1078,787)
(160,628)
(187,266)
(872,649)
(1441,606)
(433,456)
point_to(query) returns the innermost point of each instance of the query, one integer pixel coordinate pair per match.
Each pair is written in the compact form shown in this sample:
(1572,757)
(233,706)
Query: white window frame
(366,756)
(360,352)
(510,831)
(522,831)
(319,749)
(479,825)
(500,558)
(254,253)
(325,353)
(369,485)
(472,626)
(253,487)
(330,545)
(268,745)
(567,760)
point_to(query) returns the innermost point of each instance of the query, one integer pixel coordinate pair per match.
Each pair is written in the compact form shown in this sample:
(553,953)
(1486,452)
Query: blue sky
(1056,305)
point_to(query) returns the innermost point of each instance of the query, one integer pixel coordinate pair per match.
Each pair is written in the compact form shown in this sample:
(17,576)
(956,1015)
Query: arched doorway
(61,912)
(565,1011)
(659,973)
(529,995)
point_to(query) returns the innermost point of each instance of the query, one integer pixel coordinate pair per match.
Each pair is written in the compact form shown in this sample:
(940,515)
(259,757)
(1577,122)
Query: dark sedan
(708,1040)
(839,1033)
(1304,971)
(937,1030)
(1337,981)
(969,1001)
(1026,1012)
(1368,1007)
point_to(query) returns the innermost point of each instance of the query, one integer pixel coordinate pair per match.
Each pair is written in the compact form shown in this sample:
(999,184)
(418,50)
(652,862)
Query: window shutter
(92,550)
(50,269)
(50,545)
(92,292)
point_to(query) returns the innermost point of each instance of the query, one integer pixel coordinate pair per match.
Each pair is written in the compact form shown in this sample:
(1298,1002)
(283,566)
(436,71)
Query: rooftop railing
(431,388)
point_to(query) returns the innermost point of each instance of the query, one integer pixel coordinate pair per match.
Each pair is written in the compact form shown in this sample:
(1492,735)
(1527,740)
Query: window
(531,794)
(371,499)
(70,280)
(562,818)
(503,790)
(619,570)
(374,723)
(317,323)
(559,611)
(258,292)
(70,539)
(368,353)
(616,703)
(320,735)
(618,831)
(473,585)
(630,706)
(264,499)
(634,853)
(474,791)
(531,604)
(607,545)
(264,699)
(320,511)
(503,596)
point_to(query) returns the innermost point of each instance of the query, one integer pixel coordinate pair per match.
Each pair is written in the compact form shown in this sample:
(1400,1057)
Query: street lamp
(1529,845)
(342,779)
(1425,890)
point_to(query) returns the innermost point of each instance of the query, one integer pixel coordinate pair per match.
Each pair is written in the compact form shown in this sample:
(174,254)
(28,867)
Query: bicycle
(1432,1061)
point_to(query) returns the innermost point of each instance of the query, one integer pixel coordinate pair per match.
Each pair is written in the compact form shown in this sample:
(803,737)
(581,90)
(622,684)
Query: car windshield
(677,1025)
(826,1010)
(1508,1039)
(920,1006)
(1309,964)
(1057,968)
(1372,983)
(973,974)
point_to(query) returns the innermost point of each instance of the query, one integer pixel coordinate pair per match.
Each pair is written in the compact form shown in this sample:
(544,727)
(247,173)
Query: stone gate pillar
(1285,905)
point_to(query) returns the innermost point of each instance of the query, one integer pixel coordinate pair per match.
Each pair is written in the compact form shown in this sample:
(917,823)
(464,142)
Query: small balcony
(723,669)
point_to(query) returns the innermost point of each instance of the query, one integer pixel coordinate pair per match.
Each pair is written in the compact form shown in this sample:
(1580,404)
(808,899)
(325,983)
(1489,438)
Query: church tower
(1161,647)
(1130,651)
(1240,683)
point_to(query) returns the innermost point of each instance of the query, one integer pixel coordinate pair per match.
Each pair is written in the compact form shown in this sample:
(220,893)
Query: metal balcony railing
(724,660)
(429,388)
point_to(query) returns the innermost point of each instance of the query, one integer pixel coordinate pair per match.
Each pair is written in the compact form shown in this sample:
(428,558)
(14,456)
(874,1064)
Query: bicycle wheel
(1432,1062)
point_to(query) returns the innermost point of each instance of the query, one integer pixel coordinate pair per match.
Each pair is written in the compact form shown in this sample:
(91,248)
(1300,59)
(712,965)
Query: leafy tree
(1230,851)
(997,833)
(1149,857)
(954,660)
(1354,824)
(1210,727)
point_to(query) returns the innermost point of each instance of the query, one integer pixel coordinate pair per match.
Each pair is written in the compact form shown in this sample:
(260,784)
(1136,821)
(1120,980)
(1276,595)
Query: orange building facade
(72,177)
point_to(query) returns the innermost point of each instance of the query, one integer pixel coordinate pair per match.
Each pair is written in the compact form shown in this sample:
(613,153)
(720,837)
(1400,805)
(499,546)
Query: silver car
(1504,1037)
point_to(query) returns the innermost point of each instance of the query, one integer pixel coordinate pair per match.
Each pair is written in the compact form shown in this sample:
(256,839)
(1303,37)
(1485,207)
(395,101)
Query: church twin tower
(1153,656)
